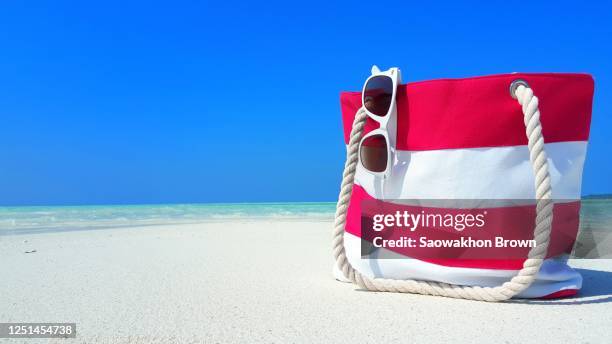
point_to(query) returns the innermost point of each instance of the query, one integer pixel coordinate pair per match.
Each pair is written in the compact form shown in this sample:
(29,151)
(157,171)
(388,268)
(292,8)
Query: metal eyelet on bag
(515,84)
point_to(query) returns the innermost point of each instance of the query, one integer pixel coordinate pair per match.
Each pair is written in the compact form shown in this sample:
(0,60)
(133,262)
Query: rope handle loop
(520,91)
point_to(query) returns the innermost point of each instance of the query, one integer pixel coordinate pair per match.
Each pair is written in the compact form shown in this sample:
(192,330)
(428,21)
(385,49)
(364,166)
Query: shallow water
(16,220)
(596,214)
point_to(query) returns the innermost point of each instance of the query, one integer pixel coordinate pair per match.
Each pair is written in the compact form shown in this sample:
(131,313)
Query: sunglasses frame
(387,123)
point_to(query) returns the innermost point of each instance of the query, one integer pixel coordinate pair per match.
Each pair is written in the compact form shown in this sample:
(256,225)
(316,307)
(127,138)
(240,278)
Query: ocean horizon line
(583,197)
(165,204)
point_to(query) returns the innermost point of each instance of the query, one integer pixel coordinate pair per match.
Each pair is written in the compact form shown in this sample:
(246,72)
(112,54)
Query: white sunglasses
(378,100)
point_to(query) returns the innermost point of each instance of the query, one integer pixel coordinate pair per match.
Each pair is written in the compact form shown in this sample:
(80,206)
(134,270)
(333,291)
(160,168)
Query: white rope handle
(544,212)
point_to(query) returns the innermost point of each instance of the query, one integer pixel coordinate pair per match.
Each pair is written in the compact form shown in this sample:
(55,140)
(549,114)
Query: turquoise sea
(596,214)
(16,220)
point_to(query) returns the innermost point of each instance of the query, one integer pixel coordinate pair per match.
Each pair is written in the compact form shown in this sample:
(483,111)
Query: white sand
(257,282)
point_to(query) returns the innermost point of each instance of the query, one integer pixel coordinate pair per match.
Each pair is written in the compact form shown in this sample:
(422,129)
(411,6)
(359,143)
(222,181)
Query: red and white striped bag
(471,139)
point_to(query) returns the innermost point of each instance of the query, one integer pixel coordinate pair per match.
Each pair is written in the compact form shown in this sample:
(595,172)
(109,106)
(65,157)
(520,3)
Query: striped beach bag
(494,163)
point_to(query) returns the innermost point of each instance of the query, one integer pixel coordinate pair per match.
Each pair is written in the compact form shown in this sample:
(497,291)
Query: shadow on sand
(596,288)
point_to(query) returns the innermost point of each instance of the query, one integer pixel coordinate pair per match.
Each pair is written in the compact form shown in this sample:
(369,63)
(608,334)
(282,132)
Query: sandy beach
(257,281)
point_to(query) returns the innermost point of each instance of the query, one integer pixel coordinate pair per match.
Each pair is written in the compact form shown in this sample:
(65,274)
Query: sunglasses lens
(377,95)
(374,153)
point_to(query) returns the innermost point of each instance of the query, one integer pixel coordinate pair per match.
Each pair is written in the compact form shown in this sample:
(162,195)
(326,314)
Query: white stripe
(477,173)
(554,275)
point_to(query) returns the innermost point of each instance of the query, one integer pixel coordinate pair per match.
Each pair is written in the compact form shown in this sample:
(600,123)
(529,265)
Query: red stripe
(508,222)
(561,294)
(479,112)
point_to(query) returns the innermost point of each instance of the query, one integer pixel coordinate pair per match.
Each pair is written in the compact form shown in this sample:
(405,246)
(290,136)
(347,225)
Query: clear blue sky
(146,102)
